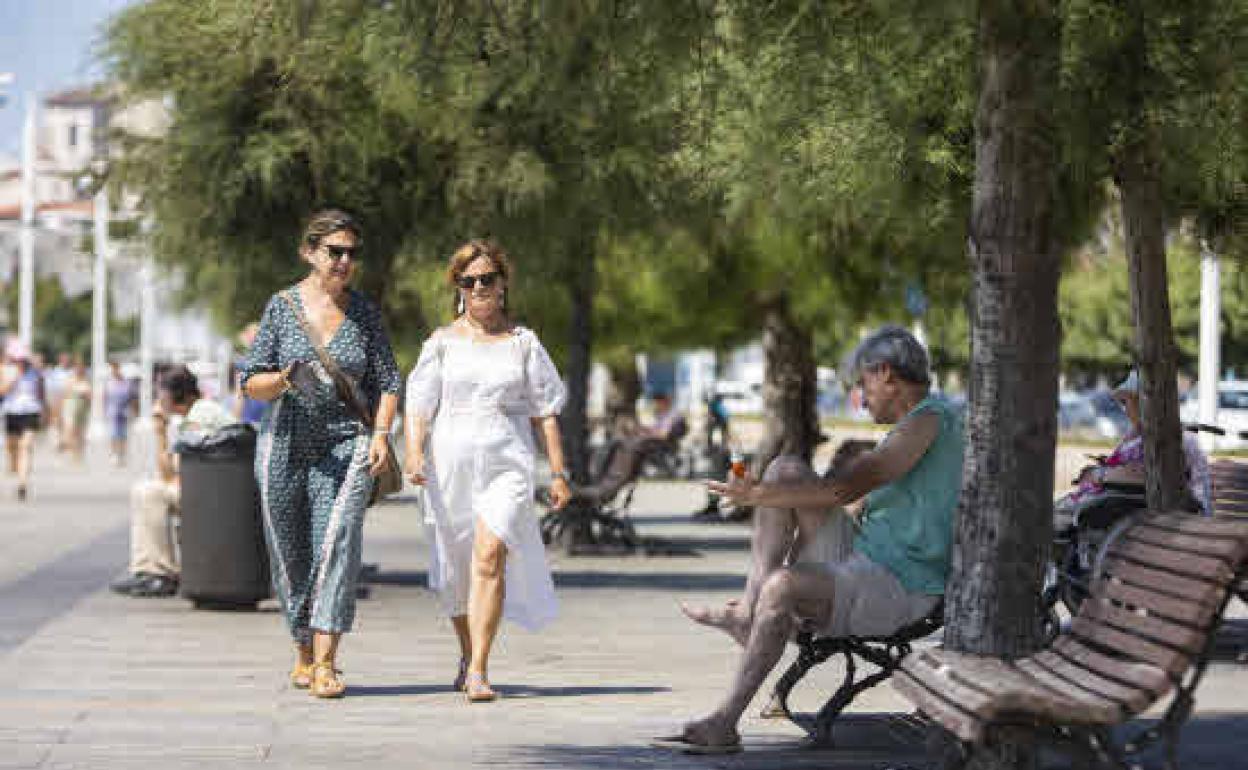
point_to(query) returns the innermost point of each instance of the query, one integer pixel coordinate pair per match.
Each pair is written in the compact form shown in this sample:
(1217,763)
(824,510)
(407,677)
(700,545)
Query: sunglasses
(484,280)
(338,252)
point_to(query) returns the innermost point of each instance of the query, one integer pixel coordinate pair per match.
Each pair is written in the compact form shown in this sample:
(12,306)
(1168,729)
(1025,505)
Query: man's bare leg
(774,540)
(785,595)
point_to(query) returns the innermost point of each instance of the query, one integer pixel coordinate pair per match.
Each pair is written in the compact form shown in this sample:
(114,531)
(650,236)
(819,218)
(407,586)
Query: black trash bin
(225,564)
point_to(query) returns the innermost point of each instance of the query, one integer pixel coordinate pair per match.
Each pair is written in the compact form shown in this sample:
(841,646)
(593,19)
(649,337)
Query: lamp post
(26,279)
(99,316)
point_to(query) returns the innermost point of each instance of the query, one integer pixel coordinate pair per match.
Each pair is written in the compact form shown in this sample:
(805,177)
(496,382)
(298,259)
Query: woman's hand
(739,489)
(414,468)
(560,493)
(378,454)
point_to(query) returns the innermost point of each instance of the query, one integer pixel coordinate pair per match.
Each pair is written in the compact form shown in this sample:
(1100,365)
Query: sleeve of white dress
(546,391)
(424,384)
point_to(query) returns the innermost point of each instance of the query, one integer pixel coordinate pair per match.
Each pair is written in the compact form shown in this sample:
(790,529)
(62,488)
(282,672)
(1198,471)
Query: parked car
(1232,415)
(1093,415)
(741,398)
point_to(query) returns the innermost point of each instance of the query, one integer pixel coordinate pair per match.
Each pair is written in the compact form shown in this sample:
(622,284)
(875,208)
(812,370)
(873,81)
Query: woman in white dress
(479,389)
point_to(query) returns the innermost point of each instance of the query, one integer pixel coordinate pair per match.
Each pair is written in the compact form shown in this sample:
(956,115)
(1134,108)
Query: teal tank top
(908,524)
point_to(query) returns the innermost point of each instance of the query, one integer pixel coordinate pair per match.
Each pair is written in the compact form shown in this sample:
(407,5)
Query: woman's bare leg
(25,457)
(485,598)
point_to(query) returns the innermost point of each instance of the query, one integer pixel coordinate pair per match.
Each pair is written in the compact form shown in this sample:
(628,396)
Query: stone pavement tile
(23,756)
(142,755)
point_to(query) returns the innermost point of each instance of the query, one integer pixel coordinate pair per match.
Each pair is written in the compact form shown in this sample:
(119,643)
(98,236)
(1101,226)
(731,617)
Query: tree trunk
(1138,175)
(575,421)
(622,396)
(1004,523)
(789,386)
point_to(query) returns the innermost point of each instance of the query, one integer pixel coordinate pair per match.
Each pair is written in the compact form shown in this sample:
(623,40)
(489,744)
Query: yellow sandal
(301,676)
(326,681)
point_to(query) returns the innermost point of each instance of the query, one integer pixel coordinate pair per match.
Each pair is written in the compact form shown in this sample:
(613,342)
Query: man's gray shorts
(868,600)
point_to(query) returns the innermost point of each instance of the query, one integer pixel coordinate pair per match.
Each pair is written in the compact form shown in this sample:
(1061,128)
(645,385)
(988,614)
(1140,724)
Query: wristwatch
(561,475)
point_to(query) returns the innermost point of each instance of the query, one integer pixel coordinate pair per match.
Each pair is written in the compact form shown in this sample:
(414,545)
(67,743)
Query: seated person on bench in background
(154,568)
(862,573)
(1125,465)
(668,424)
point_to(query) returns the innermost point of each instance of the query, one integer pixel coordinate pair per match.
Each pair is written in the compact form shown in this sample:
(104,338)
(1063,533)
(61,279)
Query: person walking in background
(118,403)
(56,379)
(153,558)
(316,460)
(75,408)
(247,409)
(25,401)
(479,388)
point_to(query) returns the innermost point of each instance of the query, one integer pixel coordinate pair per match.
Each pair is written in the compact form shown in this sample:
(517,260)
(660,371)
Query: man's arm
(892,459)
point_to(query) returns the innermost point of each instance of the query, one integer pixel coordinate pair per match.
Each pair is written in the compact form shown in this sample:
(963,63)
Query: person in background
(154,567)
(56,379)
(667,421)
(718,442)
(1125,465)
(118,403)
(75,410)
(25,402)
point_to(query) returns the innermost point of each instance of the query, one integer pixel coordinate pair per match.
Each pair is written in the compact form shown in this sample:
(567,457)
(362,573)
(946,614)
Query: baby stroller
(595,520)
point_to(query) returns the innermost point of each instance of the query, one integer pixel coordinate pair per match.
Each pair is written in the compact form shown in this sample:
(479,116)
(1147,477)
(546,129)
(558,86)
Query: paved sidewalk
(93,680)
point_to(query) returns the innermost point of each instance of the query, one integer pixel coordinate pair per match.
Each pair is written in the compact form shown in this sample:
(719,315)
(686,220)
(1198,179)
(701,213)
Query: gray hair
(896,347)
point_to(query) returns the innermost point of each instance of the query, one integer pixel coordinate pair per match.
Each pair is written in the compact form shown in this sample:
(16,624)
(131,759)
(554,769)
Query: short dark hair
(181,385)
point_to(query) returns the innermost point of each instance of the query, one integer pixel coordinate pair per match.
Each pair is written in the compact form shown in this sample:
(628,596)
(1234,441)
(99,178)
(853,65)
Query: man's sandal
(301,676)
(478,689)
(326,682)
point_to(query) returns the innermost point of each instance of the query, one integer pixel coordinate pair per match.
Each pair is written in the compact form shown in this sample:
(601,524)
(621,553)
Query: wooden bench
(884,652)
(1146,631)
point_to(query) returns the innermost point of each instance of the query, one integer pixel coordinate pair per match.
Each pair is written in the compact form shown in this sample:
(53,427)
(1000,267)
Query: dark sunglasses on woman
(486,280)
(338,252)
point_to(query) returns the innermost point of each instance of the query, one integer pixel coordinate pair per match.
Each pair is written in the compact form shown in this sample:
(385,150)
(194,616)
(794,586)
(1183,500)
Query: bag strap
(342,383)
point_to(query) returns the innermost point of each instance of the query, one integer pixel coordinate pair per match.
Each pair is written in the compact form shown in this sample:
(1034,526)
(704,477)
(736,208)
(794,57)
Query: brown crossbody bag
(391,478)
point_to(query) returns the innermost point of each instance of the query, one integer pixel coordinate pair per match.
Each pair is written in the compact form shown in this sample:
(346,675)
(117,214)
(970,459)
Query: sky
(48,46)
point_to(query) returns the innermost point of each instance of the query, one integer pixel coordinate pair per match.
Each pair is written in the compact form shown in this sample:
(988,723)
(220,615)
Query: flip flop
(683,745)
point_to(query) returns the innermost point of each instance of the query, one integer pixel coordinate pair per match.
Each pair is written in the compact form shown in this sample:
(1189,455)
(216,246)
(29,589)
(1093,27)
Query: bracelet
(380,432)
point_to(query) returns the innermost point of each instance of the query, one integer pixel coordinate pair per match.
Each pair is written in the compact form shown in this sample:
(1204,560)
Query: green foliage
(63,325)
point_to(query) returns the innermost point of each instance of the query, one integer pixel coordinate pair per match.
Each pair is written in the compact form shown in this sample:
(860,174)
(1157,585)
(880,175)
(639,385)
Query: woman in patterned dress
(315,461)
(480,387)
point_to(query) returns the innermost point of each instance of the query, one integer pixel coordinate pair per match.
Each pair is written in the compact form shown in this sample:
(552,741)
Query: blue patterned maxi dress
(312,462)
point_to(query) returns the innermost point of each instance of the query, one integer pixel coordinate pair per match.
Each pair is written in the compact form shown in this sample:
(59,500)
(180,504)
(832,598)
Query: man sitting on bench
(154,568)
(813,560)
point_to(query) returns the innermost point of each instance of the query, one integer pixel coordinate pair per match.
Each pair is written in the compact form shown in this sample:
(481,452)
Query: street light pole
(99,316)
(26,279)
(1210,310)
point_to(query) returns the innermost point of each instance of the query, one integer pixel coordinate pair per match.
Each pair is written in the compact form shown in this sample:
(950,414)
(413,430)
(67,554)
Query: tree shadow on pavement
(395,690)
(517,691)
(864,742)
(653,581)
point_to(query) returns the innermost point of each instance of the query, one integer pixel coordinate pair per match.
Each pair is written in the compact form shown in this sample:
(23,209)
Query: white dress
(480,397)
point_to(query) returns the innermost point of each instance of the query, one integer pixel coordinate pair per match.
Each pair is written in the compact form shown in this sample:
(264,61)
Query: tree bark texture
(575,421)
(1138,174)
(790,386)
(625,389)
(1004,523)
